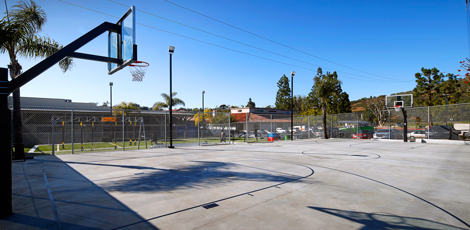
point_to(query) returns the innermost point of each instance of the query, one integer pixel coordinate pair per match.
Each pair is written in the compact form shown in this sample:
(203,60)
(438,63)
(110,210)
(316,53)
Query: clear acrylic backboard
(402,100)
(123,46)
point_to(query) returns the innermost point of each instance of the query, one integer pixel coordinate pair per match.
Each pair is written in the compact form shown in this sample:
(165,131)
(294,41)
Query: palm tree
(118,109)
(324,88)
(166,104)
(19,38)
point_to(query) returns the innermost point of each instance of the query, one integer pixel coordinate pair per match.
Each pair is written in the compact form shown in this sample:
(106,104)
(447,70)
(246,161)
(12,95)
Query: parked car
(241,134)
(388,134)
(442,132)
(280,130)
(338,133)
(364,134)
(301,135)
(417,134)
(319,133)
(295,129)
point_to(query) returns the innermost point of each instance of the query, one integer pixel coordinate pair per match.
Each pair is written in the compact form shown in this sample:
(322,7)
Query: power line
(208,43)
(232,40)
(267,39)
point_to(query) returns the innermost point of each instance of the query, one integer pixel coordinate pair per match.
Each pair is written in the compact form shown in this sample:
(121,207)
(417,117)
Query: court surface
(304,184)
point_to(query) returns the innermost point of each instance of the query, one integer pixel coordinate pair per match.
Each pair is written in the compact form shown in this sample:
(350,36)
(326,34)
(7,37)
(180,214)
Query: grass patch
(88,147)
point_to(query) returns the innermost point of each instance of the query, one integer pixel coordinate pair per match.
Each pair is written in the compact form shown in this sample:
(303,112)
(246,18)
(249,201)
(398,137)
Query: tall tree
(427,83)
(450,89)
(376,105)
(124,107)
(283,97)
(203,117)
(166,104)
(343,103)
(19,38)
(250,104)
(323,91)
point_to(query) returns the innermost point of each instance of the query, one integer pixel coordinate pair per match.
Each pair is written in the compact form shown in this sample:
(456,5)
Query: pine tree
(427,83)
(250,104)
(283,97)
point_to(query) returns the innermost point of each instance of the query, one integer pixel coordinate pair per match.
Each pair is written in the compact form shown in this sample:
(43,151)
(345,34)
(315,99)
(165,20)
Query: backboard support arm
(94,57)
(7,87)
(45,64)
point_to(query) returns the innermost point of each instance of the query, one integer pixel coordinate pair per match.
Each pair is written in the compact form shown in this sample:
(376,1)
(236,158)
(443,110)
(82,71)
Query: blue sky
(388,41)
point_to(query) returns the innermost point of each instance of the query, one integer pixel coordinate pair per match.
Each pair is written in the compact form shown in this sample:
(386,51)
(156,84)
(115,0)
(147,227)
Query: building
(55,103)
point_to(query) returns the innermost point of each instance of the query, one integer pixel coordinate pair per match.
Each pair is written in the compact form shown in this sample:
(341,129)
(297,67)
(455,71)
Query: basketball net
(397,108)
(138,70)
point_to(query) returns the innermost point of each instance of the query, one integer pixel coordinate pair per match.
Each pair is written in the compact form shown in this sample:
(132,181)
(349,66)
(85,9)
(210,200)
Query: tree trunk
(17,126)
(325,134)
(15,70)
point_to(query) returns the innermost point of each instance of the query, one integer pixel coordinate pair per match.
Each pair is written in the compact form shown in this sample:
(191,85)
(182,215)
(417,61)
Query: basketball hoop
(138,70)
(397,108)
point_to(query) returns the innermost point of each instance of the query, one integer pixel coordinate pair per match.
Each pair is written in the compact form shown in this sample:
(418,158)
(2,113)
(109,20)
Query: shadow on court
(200,174)
(385,221)
(77,202)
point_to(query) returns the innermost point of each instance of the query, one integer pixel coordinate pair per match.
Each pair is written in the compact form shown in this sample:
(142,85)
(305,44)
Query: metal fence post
(389,124)
(165,130)
(357,126)
(145,136)
(53,123)
(229,128)
(429,123)
(123,132)
(308,126)
(271,123)
(71,121)
(331,126)
(198,129)
(246,121)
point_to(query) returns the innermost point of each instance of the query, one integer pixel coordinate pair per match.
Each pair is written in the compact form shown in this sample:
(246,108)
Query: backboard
(398,101)
(123,46)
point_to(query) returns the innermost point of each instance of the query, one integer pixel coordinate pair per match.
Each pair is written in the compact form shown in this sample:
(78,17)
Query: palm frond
(32,47)
(159,106)
(28,18)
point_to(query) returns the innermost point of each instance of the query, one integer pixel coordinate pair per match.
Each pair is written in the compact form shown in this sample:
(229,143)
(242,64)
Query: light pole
(292,106)
(203,92)
(171,50)
(111,97)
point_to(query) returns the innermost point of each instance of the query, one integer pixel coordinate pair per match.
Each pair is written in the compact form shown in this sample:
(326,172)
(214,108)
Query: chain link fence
(53,131)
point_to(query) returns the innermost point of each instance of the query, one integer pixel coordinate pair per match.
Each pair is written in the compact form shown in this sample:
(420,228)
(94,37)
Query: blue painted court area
(304,184)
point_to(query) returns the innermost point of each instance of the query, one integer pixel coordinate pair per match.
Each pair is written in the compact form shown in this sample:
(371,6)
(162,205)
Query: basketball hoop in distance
(398,105)
(138,70)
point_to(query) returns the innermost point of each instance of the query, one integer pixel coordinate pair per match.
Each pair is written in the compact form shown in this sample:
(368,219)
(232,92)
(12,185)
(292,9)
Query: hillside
(356,106)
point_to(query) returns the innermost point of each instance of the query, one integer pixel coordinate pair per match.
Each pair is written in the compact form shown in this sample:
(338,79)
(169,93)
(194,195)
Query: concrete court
(305,184)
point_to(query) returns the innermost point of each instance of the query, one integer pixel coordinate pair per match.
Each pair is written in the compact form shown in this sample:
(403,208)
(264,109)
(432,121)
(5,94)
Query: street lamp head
(111,84)
(293,73)
(171,49)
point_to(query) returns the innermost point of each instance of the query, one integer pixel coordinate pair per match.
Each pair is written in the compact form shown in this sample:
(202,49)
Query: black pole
(111,112)
(405,125)
(203,115)
(292,108)
(6,208)
(171,108)
(111,98)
